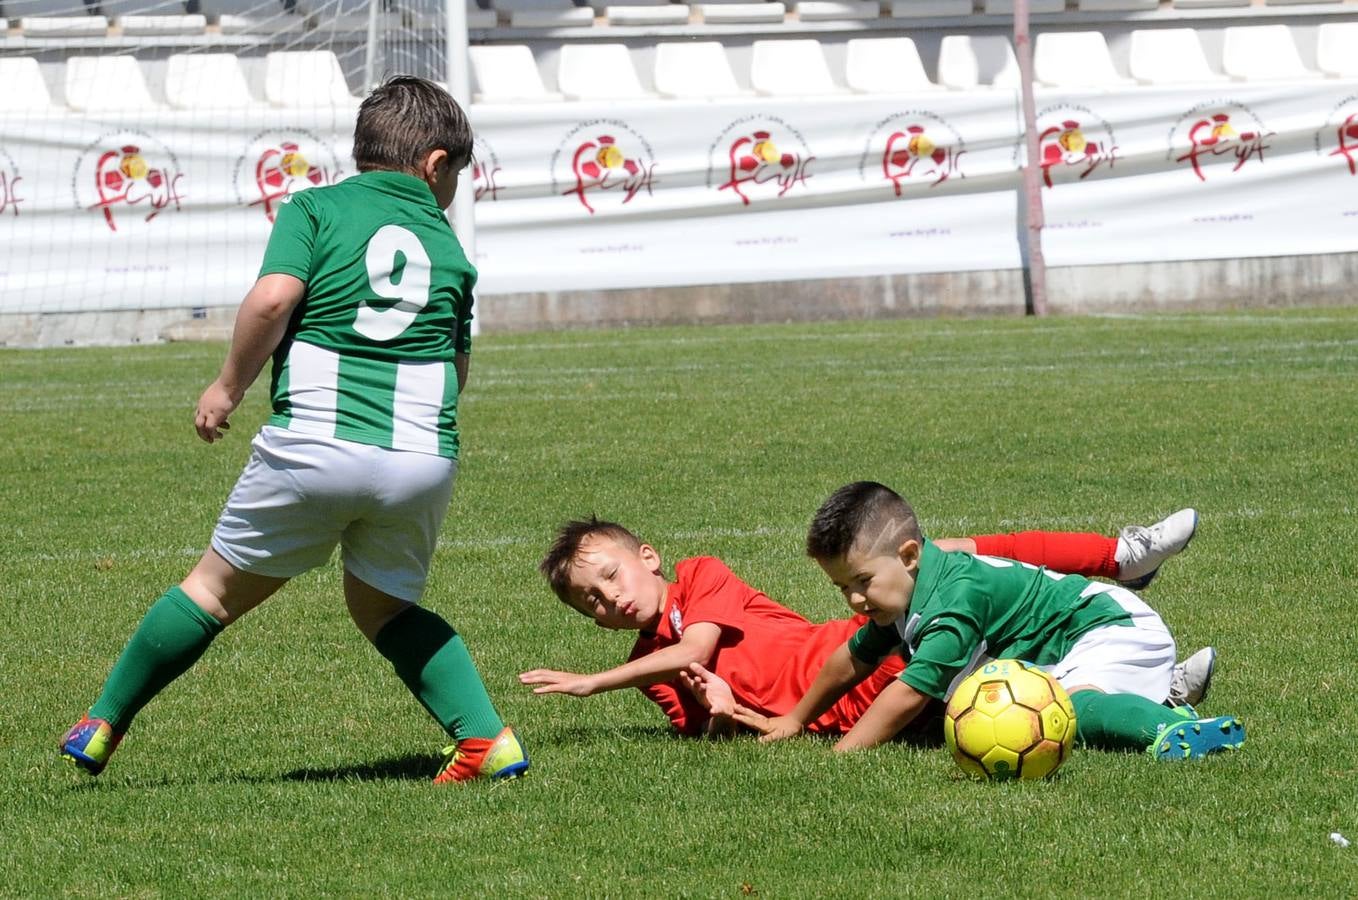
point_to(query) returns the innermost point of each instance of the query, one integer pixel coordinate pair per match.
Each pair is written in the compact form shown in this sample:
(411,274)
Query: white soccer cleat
(1191,678)
(1141,550)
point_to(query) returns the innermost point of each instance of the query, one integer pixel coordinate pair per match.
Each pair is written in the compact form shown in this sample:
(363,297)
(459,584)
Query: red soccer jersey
(767,653)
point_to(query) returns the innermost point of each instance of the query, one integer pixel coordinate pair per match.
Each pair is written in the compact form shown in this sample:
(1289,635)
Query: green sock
(1118,721)
(433,661)
(172,635)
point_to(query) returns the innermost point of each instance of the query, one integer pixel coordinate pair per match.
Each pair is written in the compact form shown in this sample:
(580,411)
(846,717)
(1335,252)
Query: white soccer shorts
(1121,659)
(302,494)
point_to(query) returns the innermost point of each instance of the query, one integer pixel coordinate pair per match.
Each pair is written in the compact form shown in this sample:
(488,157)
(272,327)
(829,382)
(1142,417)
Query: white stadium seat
(836,10)
(64,26)
(1295,2)
(658,14)
(793,68)
(24,85)
(1075,59)
(885,65)
(545,13)
(206,81)
(1118,5)
(1006,7)
(920,9)
(295,78)
(1170,56)
(1263,53)
(272,25)
(162,26)
(695,70)
(599,72)
(1337,49)
(1206,4)
(507,73)
(965,62)
(98,83)
(742,13)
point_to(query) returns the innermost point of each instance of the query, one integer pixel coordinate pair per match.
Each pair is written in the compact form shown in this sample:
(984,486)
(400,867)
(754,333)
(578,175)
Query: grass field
(292,762)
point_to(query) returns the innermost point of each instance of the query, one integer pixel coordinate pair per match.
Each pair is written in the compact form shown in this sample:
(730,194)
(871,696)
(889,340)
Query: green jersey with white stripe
(368,355)
(968,608)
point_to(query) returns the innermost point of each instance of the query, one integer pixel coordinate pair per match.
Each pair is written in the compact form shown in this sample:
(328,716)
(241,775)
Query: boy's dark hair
(556,565)
(405,119)
(864,514)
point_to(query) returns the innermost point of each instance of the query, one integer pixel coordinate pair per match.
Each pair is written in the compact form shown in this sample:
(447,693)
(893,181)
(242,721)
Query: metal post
(370,58)
(1030,240)
(459,85)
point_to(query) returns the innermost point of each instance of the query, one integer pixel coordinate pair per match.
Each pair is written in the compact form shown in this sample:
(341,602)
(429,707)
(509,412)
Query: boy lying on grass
(768,654)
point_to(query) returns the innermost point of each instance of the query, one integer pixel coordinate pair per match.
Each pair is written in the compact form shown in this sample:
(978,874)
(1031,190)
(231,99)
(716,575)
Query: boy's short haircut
(866,515)
(405,119)
(556,565)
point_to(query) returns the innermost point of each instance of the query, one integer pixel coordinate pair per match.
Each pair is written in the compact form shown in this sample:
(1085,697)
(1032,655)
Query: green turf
(291,761)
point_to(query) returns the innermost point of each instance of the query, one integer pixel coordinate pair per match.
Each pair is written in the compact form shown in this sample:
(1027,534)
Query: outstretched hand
(550,681)
(770,729)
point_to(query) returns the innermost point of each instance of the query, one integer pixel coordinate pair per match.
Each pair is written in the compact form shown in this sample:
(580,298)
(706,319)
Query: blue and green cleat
(89,744)
(1191,738)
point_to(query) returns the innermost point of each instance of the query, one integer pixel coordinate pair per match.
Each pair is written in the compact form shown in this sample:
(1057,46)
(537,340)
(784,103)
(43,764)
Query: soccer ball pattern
(1009,719)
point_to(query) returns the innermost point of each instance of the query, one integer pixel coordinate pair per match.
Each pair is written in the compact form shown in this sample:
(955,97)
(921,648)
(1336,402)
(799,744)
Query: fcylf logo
(1339,137)
(277,164)
(913,148)
(1216,135)
(766,160)
(603,160)
(129,177)
(1075,141)
(485,171)
(10,198)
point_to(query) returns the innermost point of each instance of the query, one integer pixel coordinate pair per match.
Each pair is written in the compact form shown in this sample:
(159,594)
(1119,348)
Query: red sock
(1073,552)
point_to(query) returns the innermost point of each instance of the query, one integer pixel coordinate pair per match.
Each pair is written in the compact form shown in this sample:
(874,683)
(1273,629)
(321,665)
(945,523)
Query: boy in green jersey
(948,613)
(364,303)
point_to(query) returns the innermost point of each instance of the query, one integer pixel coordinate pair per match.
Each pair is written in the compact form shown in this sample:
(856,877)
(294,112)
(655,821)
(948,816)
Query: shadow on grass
(413,767)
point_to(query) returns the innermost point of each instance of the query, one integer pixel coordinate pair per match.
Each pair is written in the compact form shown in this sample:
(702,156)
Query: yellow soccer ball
(1009,719)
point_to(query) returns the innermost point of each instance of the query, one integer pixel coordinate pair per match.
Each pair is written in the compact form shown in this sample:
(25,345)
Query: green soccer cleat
(89,744)
(499,758)
(1196,738)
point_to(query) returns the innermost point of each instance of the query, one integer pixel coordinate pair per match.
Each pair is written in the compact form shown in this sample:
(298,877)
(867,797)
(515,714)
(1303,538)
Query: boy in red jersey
(767,653)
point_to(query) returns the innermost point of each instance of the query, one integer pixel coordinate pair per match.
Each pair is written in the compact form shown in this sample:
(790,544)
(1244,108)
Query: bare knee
(225,592)
(370,608)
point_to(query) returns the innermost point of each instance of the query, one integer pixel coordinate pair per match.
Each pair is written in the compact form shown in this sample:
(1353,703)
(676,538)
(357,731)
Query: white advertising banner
(172,209)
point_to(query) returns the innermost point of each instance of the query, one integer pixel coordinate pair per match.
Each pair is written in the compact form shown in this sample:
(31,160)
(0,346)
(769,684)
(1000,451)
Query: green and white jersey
(368,355)
(967,608)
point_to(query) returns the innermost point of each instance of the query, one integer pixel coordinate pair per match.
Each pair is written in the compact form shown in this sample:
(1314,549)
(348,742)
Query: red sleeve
(712,593)
(683,710)
(685,713)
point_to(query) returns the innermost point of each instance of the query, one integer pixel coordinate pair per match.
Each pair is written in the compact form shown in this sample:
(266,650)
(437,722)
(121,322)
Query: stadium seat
(98,83)
(1337,49)
(271,25)
(162,26)
(1205,4)
(1170,56)
(742,13)
(507,73)
(598,72)
(794,68)
(1118,5)
(836,10)
(25,88)
(961,67)
(206,81)
(545,13)
(1075,59)
(656,14)
(1296,2)
(1006,7)
(297,78)
(1263,53)
(920,9)
(695,70)
(64,26)
(884,66)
